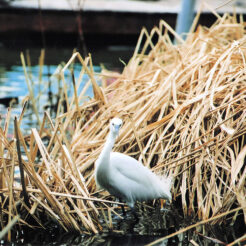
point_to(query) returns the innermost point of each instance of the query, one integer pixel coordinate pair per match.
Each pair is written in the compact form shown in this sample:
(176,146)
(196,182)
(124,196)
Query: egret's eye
(113,124)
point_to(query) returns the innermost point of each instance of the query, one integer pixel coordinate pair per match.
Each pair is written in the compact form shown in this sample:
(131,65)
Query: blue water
(13,85)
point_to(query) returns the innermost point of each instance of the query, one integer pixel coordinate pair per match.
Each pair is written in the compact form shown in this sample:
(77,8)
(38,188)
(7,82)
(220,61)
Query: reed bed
(184,110)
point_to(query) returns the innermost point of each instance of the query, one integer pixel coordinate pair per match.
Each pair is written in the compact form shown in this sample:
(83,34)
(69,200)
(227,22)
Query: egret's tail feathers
(167,182)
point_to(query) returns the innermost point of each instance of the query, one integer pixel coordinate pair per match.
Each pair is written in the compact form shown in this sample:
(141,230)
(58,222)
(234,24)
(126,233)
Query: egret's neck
(103,162)
(109,144)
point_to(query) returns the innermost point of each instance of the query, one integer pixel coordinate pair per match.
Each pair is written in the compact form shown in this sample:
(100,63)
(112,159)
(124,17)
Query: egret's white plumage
(125,177)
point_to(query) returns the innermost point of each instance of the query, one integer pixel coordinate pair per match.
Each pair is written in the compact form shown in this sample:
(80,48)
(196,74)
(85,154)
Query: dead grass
(184,109)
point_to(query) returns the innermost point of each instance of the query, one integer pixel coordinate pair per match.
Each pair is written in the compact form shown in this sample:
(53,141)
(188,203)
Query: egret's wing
(130,168)
(133,181)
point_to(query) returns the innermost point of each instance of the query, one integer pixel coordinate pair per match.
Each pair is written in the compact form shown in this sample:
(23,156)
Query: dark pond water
(151,224)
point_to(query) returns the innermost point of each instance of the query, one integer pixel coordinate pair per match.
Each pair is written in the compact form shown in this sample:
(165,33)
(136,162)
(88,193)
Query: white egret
(126,178)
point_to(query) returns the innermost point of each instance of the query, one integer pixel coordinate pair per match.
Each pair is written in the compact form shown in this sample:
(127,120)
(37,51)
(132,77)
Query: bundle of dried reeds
(184,109)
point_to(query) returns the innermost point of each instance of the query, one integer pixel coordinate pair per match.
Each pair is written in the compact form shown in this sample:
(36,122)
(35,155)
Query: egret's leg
(122,208)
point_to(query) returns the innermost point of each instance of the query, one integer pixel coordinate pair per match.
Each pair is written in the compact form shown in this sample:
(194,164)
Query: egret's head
(115,125)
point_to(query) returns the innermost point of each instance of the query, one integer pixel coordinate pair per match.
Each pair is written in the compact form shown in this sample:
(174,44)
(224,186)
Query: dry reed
(184,109)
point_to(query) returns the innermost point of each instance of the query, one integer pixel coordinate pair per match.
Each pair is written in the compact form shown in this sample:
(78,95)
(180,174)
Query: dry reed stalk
(9,226)
(184,114)
(30,88)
